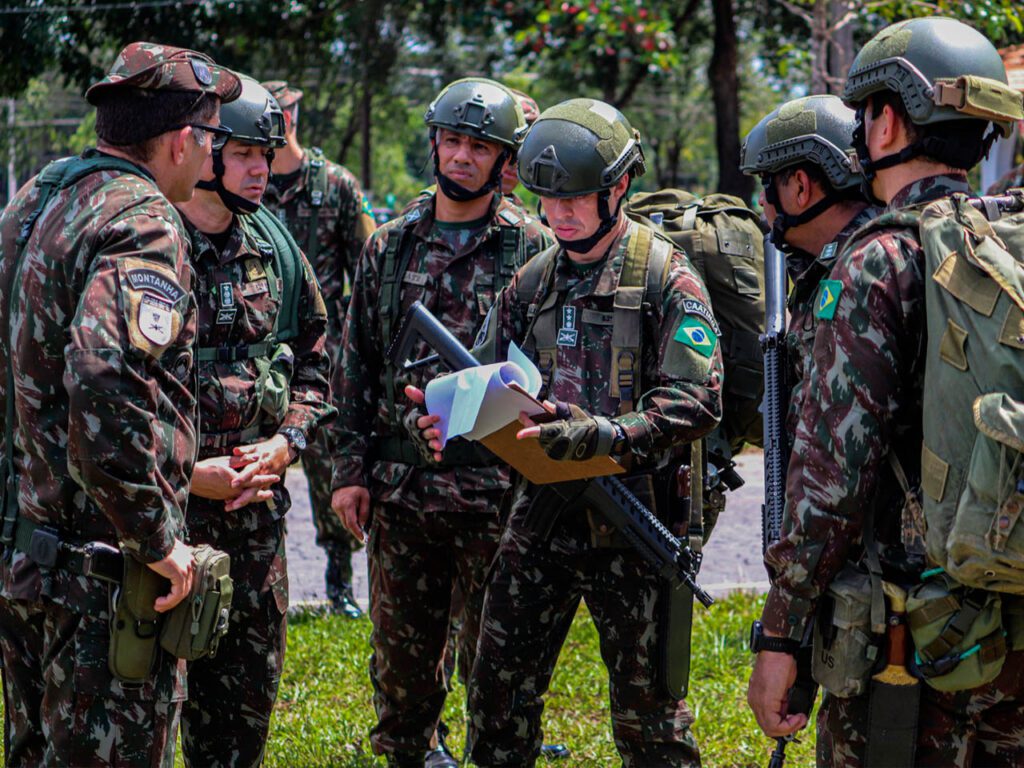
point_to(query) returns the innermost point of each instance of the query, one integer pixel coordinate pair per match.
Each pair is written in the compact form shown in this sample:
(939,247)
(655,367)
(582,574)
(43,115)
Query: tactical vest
(511,242)
(642,279)
(57,176)
(316,195)
(723,239)
(285,275)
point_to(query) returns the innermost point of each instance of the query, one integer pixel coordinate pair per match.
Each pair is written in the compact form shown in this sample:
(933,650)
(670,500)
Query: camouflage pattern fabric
(226,719)
(415,560)
(863,398)
(344,224)
(1012,178)
(537,583)
(103,329)
(450,270)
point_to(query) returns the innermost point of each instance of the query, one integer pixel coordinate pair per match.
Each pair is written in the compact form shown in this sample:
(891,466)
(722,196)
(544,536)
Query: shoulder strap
(316,194)
(533,290)
(397,254)
(287,265)
(56,176)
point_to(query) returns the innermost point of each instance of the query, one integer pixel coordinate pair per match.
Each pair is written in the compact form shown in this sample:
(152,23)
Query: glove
(419,442)
(578,436)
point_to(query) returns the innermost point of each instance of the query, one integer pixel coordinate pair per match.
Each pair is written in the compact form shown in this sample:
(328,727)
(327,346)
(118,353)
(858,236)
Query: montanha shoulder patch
(144,279)
(694,307)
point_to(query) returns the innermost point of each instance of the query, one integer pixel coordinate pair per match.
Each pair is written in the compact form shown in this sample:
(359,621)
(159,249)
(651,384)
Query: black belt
(457,454)
(44,547)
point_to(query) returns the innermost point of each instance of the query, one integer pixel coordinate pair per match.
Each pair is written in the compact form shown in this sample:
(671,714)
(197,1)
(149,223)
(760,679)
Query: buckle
(89,552)
(44,547)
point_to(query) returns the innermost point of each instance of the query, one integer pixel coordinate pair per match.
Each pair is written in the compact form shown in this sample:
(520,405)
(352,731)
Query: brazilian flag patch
(828,299)
(366,207)
(695,334)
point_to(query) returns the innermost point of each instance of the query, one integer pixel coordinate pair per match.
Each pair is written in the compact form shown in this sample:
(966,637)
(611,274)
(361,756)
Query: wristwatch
(295,438)
(761,642)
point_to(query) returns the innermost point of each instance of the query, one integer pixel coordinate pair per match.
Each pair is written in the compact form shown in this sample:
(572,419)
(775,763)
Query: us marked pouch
(194,627)
(959,641)
(135,625)
(845,649)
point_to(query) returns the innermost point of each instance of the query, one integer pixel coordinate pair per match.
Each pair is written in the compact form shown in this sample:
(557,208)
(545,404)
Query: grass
(324,711)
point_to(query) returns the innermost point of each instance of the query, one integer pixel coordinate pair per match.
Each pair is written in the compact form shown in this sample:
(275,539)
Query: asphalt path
(732,559)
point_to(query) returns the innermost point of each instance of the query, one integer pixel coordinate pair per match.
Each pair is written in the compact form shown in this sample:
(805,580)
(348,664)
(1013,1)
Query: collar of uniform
(423,216)
(203,248)
(866,216)
(930,188)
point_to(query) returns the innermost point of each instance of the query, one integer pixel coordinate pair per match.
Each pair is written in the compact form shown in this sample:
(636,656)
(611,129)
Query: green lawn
(324,710)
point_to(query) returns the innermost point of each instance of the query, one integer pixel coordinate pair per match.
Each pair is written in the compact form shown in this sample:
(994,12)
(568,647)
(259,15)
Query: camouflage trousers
(980,727)
(231,695)
(63,707)
(416,560)
(532,597)
(330,533)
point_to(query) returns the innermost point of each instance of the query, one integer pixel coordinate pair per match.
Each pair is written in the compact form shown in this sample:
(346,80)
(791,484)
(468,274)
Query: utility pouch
(958,634)
(135,625)
(193,629)
(845,649)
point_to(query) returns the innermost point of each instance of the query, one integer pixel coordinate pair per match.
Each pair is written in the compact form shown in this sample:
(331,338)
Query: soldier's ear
(177,144)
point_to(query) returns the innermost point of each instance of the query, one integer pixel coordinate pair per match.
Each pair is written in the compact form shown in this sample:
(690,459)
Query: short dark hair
(956,143)
(133,119)
(813,171)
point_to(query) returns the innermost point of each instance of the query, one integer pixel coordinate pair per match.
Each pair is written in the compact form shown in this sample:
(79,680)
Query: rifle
(672,559)
(776,460)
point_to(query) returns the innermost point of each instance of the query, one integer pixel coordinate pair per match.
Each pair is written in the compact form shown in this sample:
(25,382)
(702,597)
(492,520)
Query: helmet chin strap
(452,189)
(608,220)
(785,221)
(234,203)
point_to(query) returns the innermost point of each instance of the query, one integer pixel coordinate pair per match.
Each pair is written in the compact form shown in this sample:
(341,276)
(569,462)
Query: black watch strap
(761,642)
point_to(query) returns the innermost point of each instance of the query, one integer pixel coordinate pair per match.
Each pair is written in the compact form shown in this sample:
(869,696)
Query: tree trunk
(725,90)
(366,145)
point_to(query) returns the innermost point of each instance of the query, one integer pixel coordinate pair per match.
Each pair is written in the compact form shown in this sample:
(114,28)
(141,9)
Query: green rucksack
(724,241)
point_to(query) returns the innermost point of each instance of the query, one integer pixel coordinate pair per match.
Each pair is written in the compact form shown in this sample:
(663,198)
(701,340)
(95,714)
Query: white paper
(478,401)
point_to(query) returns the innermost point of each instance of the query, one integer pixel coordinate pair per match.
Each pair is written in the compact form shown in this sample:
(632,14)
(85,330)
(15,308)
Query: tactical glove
(578,436)
(420,443)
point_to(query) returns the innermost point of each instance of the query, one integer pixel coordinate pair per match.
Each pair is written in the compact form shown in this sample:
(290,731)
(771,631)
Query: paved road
(732,558)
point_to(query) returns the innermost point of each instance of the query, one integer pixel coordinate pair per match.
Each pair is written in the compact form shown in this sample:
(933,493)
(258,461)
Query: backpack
(725,243)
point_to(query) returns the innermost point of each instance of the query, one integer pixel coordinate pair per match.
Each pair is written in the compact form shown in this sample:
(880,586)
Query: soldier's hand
(352,506)
(217,478)
(274,454)
(177,567)
(426,436)
(768,694)
(577,436)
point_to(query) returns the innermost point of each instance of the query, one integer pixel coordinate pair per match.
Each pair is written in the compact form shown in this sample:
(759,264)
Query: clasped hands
(246,476)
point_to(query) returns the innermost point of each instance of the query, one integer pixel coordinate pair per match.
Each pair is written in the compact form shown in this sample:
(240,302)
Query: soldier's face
(464,159)
(572,218)
(246,170)
(509,176)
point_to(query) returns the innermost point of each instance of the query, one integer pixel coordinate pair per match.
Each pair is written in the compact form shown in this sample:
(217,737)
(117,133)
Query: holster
(135,625)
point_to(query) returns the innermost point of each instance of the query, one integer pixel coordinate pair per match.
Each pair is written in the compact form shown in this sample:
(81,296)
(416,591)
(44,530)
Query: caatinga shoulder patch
(695,333)
(828,299)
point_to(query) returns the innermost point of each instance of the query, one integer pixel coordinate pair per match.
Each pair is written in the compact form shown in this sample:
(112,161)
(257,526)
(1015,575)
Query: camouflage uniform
(344,223)
(433,527)
(537,583)
(1012,178)
(866,382)
(106,443)
(227,716)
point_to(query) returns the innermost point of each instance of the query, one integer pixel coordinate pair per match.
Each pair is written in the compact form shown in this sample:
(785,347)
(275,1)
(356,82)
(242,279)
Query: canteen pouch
(135,624)
(845,649)
(959,642)
(194,627)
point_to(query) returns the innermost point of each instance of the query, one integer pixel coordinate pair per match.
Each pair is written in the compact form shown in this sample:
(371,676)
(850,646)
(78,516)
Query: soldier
(580,157)
(263,392)
(325,210)
(100,411)
(862,414)
(813,201)
(434,525)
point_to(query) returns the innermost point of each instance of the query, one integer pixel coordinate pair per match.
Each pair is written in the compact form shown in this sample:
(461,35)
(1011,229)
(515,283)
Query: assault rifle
(776,458)
(672,559)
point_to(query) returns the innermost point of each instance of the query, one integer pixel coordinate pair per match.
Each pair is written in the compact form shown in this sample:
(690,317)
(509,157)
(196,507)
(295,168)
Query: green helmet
(814,129)
(479,107)
(941,68)
(578,147)
(255,116)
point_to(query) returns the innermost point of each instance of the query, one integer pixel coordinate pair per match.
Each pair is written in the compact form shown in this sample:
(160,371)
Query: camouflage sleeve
(505,322)
(309,400)
(122,431)
(538,237)
(863,356)
(355,222)
(685,402)
(356,379)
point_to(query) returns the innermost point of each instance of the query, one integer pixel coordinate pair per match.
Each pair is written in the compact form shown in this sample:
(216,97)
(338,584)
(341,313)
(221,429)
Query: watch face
(755,635)
(296,438)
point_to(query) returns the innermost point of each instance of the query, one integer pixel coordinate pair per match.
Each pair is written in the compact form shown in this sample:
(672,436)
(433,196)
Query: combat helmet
(812,129)
(579,147)
(943,70)
(253,118)
(484,109)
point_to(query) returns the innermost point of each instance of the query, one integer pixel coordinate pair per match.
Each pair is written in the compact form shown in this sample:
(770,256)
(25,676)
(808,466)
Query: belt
(220,440)
(44,547)
(460,454)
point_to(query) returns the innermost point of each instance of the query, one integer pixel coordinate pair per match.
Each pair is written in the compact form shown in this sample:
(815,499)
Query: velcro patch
(694,333)
(156,319)
(828,299)
(415,278)
(694,307)
(152,281)
(255,288)
(254,269)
